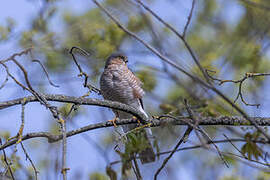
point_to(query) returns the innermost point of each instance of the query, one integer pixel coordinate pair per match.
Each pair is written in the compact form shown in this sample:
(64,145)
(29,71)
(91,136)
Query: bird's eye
(124,58)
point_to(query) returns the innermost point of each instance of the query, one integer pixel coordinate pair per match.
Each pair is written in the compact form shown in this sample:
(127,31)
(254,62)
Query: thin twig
(64,149)
(45,71)
(240,82)
(137,170)
(24,52)
(14,79)
(147,8)
(185,136)
(6,79)
(194,119)
(217,148)
(19,135)
(204,133)
(189,18)
(31,162)
(234,146)
(6,161)
(82,73)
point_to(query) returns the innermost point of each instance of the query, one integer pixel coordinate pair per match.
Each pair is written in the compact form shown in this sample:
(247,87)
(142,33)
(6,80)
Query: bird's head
(116,58)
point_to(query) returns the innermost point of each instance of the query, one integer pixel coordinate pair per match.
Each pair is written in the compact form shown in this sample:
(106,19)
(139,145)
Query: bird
(119,83)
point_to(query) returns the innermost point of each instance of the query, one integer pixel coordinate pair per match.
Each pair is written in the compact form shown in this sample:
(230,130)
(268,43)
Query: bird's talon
(135,118)
(156,117)
(113,121)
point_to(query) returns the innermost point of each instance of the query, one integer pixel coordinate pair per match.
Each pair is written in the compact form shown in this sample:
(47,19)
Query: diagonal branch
(31,162)
(189,18)
(182,37)
(185,136)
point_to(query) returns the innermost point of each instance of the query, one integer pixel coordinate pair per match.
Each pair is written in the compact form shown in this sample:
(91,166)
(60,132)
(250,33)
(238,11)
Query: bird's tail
(147,155)
(144,140)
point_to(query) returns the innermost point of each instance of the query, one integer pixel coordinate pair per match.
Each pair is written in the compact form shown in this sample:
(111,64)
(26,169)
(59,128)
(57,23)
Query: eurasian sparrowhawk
(118,83)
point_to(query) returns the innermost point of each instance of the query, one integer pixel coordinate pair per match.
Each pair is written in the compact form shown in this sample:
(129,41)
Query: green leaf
(250,148)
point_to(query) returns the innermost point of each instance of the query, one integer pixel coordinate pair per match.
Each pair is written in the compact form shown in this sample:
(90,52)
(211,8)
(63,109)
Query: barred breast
(118,83)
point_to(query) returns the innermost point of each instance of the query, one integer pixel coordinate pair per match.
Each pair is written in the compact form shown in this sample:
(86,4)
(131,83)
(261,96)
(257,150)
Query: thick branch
(222,120)
(79,101)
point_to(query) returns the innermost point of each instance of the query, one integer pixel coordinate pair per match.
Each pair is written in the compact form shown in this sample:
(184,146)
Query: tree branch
(240,81)
(78,101)
(189,18)
(6,162)
(185,136)
(182,37)
(31,162)
(204,121)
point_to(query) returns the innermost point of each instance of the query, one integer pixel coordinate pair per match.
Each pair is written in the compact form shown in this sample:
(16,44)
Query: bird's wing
(135,84)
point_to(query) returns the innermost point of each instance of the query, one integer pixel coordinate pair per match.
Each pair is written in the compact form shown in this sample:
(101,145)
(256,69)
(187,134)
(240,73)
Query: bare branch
(234,145)
(178,35)
(82,73)
(6,161)
(45,71)
(6,79)
(196,120)
(240,81)
(24,52)
(189,18)
(31,162)
(185,136)
(136,169)
(14,79)
(64,149)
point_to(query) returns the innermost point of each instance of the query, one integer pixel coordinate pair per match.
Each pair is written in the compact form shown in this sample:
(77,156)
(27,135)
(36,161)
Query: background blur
(231,37)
